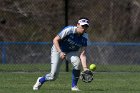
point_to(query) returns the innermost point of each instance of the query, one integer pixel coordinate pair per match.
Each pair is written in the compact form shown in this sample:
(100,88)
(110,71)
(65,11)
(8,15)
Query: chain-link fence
(28,25)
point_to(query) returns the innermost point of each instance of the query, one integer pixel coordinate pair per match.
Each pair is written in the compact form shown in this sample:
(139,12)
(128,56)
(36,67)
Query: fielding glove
(86,76)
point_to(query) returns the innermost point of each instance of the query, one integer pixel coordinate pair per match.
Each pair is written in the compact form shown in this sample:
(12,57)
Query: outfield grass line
(118,72)
(28,72)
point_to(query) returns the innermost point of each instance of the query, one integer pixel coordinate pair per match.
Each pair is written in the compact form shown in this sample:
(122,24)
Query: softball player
(69,44)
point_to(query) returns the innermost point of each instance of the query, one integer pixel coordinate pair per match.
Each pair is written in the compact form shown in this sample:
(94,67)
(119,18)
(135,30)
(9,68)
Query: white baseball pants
(56,62)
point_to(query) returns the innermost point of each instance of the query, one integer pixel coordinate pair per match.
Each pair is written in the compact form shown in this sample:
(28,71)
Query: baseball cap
(83,22)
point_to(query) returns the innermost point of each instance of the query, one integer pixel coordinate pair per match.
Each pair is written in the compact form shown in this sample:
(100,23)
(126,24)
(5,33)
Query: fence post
(66,23)
(66,12)
(3,54)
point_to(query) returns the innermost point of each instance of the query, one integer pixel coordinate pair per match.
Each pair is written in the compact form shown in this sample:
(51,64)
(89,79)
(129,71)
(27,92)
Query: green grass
(46,67)
(14,80)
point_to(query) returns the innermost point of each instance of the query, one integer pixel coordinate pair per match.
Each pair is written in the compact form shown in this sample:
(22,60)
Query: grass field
(21,78)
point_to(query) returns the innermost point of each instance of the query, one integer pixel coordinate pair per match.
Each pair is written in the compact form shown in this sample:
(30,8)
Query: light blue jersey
(70,40)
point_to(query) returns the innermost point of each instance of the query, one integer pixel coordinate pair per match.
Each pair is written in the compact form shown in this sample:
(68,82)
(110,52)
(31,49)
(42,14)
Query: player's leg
(55,65)
(75,60)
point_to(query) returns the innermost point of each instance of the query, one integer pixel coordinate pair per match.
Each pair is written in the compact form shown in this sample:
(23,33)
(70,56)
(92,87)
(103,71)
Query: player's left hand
(85,68)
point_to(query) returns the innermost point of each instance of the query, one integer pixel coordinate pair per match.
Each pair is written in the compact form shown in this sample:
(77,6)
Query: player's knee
(75,60)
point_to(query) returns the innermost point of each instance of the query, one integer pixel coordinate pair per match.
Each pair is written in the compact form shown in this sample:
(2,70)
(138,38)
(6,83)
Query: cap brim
(84,24)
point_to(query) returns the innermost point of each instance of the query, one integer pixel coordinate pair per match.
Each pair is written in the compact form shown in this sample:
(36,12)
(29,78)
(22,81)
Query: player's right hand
(62,55)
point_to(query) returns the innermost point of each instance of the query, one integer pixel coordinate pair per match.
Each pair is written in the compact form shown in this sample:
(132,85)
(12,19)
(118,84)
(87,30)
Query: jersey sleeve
(66,31)
(87,40)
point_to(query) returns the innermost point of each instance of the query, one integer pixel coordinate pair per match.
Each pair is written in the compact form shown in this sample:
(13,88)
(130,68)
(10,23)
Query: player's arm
(83,58)
(56,44)
(59,37)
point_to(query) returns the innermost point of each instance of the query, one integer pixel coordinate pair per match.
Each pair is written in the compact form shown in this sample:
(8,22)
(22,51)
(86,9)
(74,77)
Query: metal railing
(95,48)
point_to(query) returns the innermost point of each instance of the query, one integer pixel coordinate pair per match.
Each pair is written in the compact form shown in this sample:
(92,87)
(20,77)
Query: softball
(92,67)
